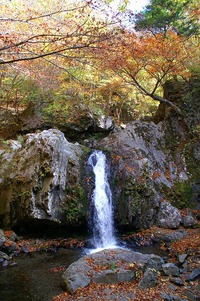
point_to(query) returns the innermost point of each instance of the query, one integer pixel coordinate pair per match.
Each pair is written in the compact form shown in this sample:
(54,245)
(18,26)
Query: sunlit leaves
(181,16)
(147,61)
(42,29)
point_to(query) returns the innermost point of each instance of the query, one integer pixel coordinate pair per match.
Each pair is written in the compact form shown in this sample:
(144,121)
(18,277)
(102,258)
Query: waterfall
(101,202)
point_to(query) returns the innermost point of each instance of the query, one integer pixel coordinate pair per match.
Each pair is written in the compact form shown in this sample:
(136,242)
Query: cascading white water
(102,219)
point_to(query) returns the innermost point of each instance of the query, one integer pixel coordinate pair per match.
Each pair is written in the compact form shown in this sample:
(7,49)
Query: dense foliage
(181,16)
(74,56)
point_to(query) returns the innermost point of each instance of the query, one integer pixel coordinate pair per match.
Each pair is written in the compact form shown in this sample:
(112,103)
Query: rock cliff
(154,168)
(40,179)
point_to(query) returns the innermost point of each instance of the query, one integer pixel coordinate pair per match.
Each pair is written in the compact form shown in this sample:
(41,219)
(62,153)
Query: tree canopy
(181,16)
(37,29)
(75,55)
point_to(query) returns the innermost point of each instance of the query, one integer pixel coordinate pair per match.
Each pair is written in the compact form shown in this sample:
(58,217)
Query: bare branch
(43,16)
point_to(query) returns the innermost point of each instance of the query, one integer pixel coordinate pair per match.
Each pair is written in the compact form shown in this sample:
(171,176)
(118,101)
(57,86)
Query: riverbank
(182,253)
(175,244)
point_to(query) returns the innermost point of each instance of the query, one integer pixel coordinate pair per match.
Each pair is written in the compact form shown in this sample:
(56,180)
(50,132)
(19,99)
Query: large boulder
(107,266)
(40,179)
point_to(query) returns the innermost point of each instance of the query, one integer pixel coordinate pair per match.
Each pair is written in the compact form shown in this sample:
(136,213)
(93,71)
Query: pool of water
(36,277)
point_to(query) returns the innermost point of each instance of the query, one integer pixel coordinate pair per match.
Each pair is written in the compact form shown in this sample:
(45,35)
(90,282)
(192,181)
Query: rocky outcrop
(40,179)
(150,164)
(108,266)
(144,173)
(112,266)
(168,216)
(78,125)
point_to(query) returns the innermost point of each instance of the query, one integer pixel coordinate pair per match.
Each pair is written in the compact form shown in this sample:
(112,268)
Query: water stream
(102,213)
(36,277)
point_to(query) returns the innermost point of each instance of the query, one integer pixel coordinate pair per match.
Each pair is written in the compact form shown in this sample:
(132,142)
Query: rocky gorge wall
(154,172)
(146,173)
(40,179)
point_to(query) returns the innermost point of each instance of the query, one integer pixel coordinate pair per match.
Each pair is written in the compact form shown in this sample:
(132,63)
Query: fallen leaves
(189,244)
(58,269)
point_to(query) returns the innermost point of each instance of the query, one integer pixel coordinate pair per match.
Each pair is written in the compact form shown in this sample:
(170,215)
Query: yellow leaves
(155,175)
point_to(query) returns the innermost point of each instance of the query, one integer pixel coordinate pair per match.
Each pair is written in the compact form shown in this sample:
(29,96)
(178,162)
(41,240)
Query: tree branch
(153,95)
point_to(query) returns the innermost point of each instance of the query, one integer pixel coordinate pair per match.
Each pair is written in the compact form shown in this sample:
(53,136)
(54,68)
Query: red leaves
(58,269)
(189,244)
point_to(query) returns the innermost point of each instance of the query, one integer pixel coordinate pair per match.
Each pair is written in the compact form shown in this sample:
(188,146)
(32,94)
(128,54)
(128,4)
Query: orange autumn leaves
(153,56)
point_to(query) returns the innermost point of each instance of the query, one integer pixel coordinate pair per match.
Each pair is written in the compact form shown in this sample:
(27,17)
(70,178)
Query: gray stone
(5,263)
(169,237)
(195,274)
(39,177)
(2,241)
(4,255)
(168,216)
(182,258)
(170,269)
(165,296)
(150,279)
(172,287)
(24,249)
(81,272)
(73,282)
(77,276)
(189,221)
(155,263)
(141,151)
(174,297)
(110,276)
(177,281)
(190,295)
(13,237)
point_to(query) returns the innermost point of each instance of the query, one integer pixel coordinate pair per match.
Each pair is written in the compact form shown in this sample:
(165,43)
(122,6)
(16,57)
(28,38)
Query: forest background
(73,56)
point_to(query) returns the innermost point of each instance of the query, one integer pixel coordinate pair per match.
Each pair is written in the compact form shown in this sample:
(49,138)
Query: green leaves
(181,16)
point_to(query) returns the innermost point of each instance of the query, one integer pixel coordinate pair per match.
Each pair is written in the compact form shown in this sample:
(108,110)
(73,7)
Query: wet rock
(4,255)
(39,178)
(108,266)
(112,276)
(77,276)
(165,296)
(182,257)
(150,279)
(155,263)
(195,274)
(5,263)
(170,269)
(189,221)
(168,216)
(190,296)
(2,238)
(176,235)
(177,281)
